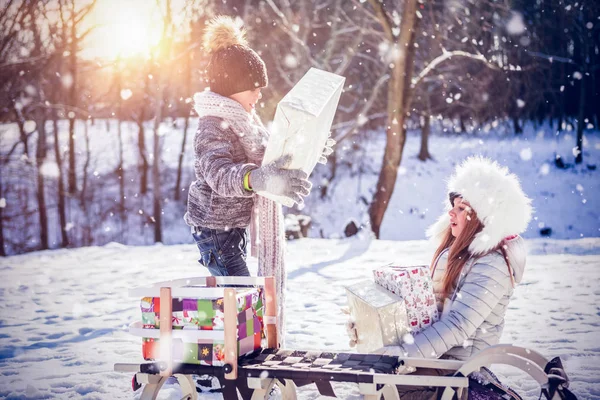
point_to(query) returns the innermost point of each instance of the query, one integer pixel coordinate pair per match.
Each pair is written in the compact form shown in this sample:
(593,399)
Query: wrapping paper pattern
(205,314)
(415,286)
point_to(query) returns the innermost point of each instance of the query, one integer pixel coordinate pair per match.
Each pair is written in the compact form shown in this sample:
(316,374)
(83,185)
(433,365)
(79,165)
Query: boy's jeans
(223,252)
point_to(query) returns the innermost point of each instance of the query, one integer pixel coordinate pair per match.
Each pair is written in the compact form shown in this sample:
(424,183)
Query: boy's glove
(327,150)
(274,179)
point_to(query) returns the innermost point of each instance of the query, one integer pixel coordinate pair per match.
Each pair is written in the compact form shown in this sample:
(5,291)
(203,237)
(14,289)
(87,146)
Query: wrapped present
(415,286)
(380,316)
(302,122)
(191,315)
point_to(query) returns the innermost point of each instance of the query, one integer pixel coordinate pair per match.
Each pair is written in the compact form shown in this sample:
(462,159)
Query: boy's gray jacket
(217,198)
(474,320)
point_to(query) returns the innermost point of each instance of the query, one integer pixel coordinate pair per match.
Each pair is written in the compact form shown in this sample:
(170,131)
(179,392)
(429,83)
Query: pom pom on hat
(223,32)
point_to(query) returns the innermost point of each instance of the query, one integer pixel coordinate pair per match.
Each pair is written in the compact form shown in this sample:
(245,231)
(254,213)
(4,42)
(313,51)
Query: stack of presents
(400,302)
(191,315)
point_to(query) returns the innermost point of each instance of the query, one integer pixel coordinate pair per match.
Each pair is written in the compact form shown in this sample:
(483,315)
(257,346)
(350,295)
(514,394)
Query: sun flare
(123,29)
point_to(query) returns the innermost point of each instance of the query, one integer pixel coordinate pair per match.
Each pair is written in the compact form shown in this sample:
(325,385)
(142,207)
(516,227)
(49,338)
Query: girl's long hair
(459,254)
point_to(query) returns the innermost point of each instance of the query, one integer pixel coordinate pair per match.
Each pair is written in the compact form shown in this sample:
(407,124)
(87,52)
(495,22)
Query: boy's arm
(214,162)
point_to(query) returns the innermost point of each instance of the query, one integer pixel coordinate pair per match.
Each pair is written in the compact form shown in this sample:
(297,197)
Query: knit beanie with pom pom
(234,67)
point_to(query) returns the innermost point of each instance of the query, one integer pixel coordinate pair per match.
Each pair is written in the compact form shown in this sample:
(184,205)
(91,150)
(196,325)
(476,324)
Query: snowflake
(516,24)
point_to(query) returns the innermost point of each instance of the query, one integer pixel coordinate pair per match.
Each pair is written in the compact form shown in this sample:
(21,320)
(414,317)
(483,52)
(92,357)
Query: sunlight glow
(124,28)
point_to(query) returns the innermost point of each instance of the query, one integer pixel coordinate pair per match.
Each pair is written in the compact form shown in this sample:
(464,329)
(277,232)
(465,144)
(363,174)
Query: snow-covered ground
(64,312)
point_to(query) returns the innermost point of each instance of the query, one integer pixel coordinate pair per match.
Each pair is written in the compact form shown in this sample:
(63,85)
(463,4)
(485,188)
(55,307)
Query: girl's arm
(485,285)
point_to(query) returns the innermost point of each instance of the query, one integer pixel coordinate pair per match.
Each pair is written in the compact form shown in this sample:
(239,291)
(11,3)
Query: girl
(478,261)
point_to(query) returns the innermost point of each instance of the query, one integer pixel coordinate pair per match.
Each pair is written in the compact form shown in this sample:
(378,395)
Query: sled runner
(193,339)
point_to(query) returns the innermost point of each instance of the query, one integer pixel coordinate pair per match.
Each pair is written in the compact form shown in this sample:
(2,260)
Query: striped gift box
(206,315)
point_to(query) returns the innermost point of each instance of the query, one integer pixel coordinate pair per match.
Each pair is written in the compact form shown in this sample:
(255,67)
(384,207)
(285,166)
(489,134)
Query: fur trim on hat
(496,196)
(223,32)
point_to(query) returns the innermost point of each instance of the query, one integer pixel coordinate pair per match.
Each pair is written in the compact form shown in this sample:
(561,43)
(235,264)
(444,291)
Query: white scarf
(268,214)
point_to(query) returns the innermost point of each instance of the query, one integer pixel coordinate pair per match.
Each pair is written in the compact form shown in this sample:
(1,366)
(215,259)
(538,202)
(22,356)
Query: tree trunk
(463,128)
(142,151)
(580,121)
(162,84)
(180,163)
(156,185)
(518,128)
(426,128)
(22,134)
(41,197)
(120,170)
(398,90)
(85,195)
(144,166)
(62,216)
(72,176)
(185,129)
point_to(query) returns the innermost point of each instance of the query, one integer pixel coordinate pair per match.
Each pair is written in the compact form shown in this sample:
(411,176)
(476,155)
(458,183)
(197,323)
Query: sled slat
(432,363)
(271,313)
(127,367)
(230,323)
(421,380)
(166,310)
(195,283)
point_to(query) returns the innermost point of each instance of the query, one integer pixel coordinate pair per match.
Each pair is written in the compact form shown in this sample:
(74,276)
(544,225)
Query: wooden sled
(254,376)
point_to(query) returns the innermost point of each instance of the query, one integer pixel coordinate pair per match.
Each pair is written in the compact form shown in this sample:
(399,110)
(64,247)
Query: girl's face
(248,98)
(459,216)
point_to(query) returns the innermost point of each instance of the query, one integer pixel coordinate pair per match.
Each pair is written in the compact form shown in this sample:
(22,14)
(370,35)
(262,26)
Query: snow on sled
(196,327)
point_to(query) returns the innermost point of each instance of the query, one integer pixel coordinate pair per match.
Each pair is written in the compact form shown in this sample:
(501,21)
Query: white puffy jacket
(474,318)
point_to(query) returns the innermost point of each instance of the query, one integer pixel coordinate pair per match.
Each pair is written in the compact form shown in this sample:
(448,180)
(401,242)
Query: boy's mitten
(327,150)
(275,179)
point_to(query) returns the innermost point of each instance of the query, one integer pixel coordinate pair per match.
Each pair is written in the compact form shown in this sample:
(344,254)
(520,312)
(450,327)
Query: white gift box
(380,316)
(302,122)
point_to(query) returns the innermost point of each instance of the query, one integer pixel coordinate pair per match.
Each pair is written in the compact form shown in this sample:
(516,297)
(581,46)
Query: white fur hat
(496,196)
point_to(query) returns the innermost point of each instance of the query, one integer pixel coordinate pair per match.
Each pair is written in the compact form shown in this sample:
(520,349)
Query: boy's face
(248,98)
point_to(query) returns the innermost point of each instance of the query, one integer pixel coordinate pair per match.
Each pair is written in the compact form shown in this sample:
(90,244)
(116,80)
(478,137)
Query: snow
(65,312)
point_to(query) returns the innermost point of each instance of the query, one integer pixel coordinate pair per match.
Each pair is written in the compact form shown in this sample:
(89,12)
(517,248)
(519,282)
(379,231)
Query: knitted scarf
(266,213)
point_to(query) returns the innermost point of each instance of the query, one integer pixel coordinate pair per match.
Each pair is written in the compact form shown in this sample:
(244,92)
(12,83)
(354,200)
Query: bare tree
(86,195)
(161,80)
(62,216)
(139,118)
(118,86)
(398,100)
(41,152)
(401,90)
(424,154)
(77,15)
(188,78)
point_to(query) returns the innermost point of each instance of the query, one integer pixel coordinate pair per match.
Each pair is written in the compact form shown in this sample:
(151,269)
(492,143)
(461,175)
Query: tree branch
(367,106)
(383,18)
(447,55)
